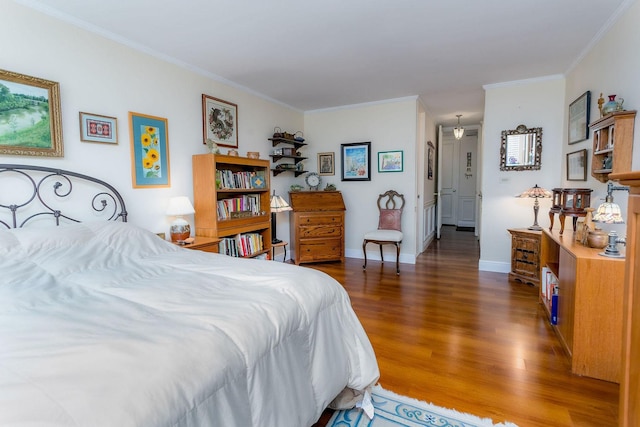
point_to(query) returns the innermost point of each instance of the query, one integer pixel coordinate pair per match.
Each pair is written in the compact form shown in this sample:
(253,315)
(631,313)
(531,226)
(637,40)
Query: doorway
(459,180)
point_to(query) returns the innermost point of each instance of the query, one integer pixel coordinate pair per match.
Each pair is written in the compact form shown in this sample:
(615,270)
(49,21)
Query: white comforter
(104,324)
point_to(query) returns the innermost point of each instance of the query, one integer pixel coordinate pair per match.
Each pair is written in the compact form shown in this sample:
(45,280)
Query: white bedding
(105,324)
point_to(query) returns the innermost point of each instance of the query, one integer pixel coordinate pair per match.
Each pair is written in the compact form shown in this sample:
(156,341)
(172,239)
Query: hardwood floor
(446,333)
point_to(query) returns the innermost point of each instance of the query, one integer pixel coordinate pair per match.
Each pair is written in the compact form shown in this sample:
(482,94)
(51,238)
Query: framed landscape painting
(30,118)
(149,151)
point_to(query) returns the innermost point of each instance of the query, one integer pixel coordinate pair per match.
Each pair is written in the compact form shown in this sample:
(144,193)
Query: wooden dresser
(525,255)
(317,226)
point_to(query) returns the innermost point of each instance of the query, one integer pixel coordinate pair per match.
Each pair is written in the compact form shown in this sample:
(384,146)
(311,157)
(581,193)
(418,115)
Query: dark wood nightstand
(206,244)
(525,255)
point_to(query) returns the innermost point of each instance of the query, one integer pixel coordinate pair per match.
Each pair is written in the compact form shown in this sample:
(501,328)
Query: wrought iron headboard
(50,196)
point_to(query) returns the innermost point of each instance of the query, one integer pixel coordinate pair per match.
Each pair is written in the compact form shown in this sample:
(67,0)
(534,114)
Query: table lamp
(278,204)
(178,207)
(535,192)
(609,213)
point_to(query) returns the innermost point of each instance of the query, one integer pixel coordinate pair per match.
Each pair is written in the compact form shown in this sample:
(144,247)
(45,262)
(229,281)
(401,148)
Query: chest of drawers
(525,255)
(317,226)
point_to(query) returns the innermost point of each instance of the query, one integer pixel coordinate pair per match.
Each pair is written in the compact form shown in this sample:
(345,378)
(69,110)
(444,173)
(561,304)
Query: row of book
(241,245)
(247,203)
(240,180)
(549,288)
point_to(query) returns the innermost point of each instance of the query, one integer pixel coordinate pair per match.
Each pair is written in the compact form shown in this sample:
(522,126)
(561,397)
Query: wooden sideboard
(629,413)
(590,295)
(317,226)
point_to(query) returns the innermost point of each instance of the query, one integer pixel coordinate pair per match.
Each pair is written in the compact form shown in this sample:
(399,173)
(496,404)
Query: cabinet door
(566,298)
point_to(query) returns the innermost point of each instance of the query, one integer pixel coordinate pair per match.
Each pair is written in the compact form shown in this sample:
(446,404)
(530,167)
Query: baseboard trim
(495,266)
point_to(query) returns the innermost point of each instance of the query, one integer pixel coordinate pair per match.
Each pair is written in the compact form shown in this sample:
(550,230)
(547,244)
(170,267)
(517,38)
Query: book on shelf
(245,203)
(554,309)
(243,180)
(241,245)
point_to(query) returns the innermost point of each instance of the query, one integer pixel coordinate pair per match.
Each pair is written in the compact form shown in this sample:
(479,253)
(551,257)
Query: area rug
(393,410)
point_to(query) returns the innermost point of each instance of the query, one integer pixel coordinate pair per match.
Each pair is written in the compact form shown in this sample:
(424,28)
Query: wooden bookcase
(590,311)
(612,144)
(208,190)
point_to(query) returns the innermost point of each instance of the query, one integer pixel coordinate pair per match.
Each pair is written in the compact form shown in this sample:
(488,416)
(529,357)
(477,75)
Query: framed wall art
(356,161)
(390,161)
(577,166)
(95,128)
(430,159)
(326,164)
(30,118)
(579,118)
(219,121)
(149,151)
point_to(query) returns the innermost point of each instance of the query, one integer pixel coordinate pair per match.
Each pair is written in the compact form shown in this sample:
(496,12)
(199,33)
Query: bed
(102,323)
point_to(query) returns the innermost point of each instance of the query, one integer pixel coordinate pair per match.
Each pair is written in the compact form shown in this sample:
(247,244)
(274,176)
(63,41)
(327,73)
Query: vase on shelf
(612,105)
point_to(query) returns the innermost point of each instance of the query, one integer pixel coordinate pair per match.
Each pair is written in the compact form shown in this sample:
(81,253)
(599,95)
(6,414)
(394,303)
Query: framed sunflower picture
(149,151)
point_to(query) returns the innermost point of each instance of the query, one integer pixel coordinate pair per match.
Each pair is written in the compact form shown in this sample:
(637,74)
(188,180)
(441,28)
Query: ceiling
(313,55)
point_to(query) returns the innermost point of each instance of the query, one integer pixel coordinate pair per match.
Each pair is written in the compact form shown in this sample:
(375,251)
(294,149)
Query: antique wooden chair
(389,232)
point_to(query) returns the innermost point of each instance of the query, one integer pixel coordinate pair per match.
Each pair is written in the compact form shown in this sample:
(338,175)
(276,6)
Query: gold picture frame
(30,117)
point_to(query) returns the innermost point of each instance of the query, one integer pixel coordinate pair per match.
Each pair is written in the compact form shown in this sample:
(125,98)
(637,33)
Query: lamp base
(535,227)
(274,241)
(180,230)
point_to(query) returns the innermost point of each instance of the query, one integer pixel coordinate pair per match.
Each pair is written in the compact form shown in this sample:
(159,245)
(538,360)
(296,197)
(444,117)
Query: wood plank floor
(474,341)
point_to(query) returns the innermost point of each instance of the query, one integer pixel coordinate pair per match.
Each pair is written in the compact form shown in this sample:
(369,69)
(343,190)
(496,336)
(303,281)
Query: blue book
(554,309)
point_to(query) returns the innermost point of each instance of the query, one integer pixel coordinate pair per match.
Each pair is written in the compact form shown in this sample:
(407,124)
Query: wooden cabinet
(317,226)
(525,255)
(629,413)
(590,291)
(612,144)
(287,149)
(231,200)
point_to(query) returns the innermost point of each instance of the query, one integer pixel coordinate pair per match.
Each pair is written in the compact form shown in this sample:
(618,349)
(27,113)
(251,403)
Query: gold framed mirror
(521,149)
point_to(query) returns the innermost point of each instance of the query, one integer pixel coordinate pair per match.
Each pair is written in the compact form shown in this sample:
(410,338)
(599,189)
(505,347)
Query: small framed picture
(579,118)
(326,164)
(356,161)
(95,128)
(390,161)
(149,151)
(577,166)
(219,121)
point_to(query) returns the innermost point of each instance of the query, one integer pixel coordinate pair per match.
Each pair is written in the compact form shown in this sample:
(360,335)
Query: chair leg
(381,256)
(364,249)
(397,259)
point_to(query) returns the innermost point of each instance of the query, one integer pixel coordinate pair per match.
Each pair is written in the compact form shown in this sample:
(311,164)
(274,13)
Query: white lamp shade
(180,206)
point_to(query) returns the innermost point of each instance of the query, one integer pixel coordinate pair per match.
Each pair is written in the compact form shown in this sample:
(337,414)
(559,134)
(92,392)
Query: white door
(449,182)
(467,177)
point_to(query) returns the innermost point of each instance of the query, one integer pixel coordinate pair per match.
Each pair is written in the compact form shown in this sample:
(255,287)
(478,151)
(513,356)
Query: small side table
(206,244)
(282,245)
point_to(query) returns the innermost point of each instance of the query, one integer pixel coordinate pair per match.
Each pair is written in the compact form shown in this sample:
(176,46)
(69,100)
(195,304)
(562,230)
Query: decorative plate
(313,180)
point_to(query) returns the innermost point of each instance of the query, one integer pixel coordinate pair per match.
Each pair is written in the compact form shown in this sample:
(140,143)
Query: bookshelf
(589,303)
(231,200)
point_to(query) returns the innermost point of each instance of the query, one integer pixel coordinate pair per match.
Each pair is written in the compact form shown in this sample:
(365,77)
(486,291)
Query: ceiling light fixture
(458,131)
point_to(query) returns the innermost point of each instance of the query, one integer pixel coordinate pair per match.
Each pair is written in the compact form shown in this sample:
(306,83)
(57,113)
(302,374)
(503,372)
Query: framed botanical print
(219,121)
(149,151)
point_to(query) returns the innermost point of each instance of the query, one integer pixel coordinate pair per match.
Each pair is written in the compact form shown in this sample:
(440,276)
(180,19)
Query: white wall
(610,67)
(388,126)
(101,76)
(534,103)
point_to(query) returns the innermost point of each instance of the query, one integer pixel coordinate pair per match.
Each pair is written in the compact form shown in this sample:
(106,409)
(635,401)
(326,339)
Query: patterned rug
(393,410)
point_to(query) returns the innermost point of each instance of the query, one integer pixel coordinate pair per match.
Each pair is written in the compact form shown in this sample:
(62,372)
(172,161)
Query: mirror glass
(521,149)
